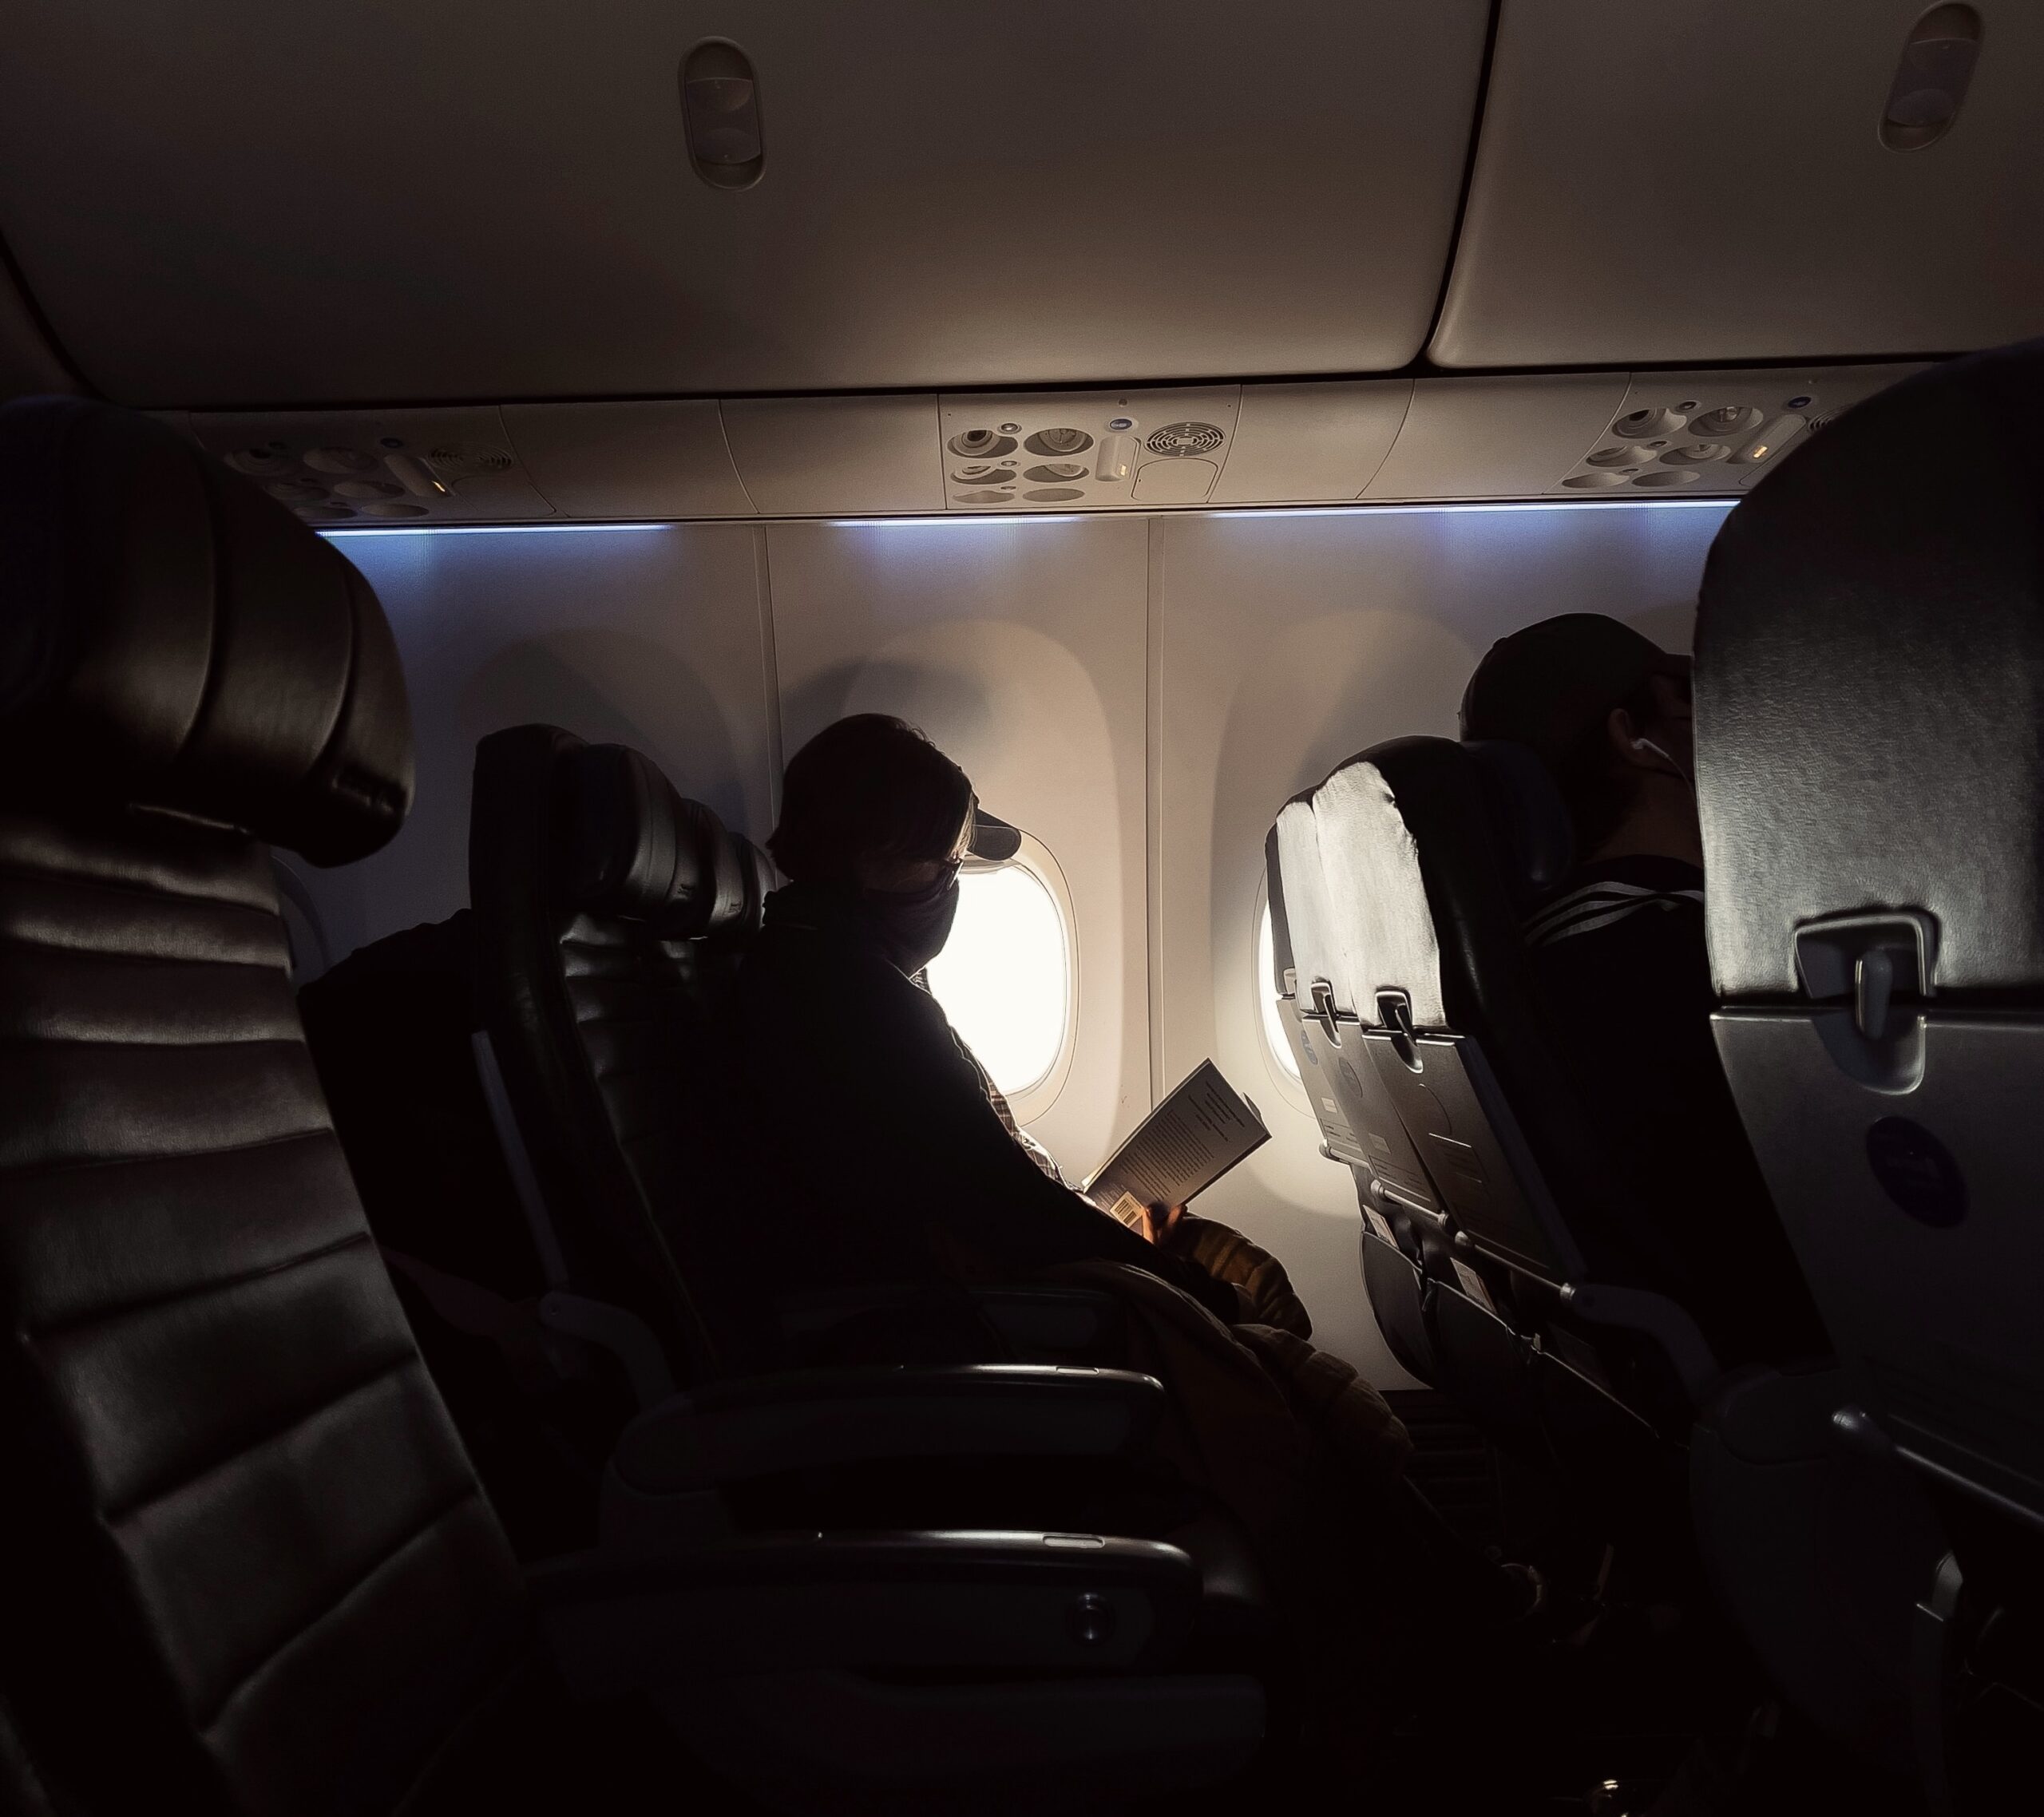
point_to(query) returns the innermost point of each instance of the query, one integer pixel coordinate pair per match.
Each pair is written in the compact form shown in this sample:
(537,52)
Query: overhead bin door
(249,203)
(1735,179)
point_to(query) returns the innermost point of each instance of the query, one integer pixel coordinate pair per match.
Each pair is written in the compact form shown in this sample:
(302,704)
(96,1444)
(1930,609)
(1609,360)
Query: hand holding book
(1200,1132)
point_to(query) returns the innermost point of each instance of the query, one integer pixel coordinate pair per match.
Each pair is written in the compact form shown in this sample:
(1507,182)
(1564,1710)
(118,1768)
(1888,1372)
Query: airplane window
(1267,997)
(1004,977)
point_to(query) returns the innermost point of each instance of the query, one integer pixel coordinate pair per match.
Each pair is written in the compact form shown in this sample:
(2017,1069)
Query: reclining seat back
(1377,879)
(1359,1122)
(609,912)
(1870,700)
(247,1565)
(1445,847)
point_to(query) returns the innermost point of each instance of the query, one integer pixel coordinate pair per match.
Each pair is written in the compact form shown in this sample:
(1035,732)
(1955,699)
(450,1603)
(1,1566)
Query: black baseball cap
(994,841)
(1550,685)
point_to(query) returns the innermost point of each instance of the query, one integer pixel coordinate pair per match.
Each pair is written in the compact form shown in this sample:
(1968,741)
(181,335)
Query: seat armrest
(1765,1415)
(1035,1319)
(921,1603)
(815,1418)
(1656,1317)
(1058,1321)
(623,1336)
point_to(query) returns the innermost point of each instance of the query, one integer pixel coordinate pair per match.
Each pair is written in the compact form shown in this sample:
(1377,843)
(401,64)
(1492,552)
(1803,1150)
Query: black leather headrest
(1535,838)
(1870,683)
(638,850)
(172,637)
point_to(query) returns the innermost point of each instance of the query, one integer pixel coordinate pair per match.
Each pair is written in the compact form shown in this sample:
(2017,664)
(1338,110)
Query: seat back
(247,1565)
(1870,671)
(608,912)
(1327,1029)
(1432,853)
(1410,838)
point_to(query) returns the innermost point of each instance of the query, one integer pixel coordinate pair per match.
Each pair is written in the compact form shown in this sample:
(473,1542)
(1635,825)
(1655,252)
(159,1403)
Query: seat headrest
(171,637)
(1535,838)
(1869,683)
(638,850)
(1378,926)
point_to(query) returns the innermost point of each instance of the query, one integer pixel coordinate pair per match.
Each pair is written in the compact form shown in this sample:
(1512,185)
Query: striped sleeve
(1597,905)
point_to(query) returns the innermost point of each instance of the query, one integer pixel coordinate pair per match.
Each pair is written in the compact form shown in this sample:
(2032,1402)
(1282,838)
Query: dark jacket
(867,1139)
(1618,953)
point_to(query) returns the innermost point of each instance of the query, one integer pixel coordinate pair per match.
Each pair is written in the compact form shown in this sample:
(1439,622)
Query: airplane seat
(393,1030)
(243,1543)
(1433,851)
(248,1567)
(1870,644)
(1399,1249)
(606,909)
(609,912)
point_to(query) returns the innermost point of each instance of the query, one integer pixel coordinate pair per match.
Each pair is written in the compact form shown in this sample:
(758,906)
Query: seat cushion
(239,1514)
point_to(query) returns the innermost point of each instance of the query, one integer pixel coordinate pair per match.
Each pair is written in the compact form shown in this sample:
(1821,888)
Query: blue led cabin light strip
(1398,509)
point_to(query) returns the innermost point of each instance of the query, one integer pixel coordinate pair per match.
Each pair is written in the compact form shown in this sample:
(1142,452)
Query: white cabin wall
(1141,695)
(1285,642)
(1019,646)
(650,636)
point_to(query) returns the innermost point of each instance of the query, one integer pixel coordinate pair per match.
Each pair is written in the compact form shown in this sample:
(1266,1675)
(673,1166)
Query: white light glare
(1456,506)
(492,529)
(1269,1000)
(1004,975)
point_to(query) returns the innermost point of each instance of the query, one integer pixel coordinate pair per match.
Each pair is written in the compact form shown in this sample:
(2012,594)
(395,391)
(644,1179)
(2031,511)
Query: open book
(1200,1131)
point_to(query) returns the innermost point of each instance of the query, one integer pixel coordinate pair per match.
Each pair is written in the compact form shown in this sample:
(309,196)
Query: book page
(1182,1148)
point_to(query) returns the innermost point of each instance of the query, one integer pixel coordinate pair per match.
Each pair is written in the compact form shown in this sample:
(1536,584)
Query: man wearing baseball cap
(1618,952)
(872,1140)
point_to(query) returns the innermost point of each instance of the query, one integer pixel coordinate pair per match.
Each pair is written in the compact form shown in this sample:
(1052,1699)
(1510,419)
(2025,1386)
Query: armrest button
(1091,1619)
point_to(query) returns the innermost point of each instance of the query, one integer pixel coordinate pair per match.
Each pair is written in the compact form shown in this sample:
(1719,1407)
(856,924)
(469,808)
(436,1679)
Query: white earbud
(1675,769)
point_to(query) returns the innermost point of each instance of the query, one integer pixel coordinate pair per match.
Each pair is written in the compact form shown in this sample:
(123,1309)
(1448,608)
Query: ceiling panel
(250,204)
(1686,181)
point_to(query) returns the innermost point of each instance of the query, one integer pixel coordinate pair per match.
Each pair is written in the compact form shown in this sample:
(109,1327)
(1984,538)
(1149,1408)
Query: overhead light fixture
(720,106)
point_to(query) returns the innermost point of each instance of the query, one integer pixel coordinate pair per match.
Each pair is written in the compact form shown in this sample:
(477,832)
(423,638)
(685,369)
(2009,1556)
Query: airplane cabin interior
(949,909)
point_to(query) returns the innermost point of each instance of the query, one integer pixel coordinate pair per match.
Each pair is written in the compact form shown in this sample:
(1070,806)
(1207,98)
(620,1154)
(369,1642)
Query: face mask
(913,924)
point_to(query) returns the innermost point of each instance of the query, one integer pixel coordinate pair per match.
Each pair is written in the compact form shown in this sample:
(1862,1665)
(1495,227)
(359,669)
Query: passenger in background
(1618,953)
(896,1155)
(878,1154)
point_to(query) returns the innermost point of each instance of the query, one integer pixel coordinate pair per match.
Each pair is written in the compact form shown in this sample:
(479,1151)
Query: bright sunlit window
(1004,977)
(1267,998)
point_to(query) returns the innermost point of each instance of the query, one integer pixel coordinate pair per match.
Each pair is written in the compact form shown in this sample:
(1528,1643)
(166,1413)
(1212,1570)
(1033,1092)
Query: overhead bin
(1686,181)
(245,203)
